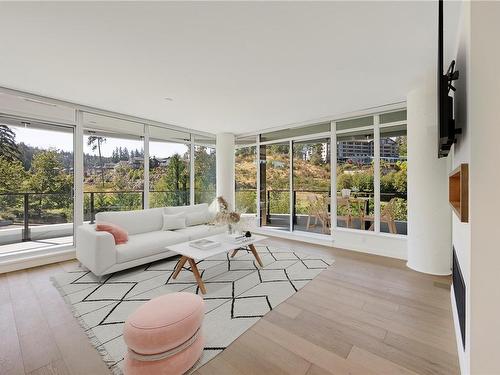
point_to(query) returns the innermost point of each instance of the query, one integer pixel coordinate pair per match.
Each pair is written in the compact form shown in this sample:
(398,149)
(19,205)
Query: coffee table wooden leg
(255,254)
(179,266)
(235,251)
(197,276)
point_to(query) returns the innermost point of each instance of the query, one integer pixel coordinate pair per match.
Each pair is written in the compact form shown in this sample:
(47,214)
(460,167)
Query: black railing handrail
(400,194)
(35,193)
(99,192)
(132,191)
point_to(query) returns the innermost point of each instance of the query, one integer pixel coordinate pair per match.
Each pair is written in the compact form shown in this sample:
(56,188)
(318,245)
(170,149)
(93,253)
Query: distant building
(389,148)
(136,162)
(164,162)
(325,152)
(363,150)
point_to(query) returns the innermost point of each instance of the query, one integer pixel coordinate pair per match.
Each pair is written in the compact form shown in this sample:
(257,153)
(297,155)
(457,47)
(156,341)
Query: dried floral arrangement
(224,216)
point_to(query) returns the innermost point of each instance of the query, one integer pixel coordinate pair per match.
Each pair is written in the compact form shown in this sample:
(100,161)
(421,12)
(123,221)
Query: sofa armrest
(95,250)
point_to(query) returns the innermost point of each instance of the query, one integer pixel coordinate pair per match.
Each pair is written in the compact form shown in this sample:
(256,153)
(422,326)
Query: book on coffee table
(236,238)
(204,244)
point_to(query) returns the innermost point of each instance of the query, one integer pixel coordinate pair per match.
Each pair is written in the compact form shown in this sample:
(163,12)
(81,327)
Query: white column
(429,215)
(225,166)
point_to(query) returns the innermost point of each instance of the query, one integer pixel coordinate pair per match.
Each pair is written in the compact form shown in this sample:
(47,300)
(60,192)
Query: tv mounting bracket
(451,75)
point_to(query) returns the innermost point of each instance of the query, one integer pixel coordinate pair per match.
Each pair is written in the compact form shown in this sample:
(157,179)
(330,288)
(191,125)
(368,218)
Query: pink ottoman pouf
(164,335)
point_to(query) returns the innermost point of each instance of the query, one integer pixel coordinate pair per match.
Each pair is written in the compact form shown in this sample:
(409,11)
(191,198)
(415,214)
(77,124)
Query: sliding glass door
(311,186)
(36,186)
(169,167)
(113,165)
(355,174)
(275,186)
(245,176)
(393,193)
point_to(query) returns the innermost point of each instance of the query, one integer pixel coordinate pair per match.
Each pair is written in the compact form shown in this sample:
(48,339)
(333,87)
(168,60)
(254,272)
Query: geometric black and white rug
(238,294)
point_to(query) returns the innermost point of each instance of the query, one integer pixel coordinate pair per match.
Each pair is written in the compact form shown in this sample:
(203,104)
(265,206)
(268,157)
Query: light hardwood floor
(364,315)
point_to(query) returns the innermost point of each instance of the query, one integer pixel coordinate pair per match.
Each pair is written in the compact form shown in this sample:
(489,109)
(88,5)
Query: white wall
(478,112)
(372,243)
(460,153)
(484,115)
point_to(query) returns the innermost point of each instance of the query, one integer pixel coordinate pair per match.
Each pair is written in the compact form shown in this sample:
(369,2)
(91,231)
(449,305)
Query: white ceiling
(229,67)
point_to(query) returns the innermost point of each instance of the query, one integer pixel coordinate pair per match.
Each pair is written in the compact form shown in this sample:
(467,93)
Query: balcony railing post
(92,212)
(142,199)
(268,207)
(26,229)
(294,212)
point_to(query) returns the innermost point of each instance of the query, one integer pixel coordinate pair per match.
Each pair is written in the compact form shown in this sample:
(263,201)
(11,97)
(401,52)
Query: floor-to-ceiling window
(311,185)
(393,179)
(275,185)
(245,176)
(113,173)
(169,167)
(36,185)
(295,180)
(71,161)
(204,169)
(355,173)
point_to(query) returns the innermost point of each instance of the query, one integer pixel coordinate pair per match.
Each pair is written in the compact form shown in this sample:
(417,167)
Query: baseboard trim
(296,237)
(36,260)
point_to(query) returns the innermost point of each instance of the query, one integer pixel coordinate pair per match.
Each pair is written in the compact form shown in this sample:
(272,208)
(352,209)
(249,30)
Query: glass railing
(204,196)
(163,198)
(246,201)
(101,201)
(32,216)
(356,211)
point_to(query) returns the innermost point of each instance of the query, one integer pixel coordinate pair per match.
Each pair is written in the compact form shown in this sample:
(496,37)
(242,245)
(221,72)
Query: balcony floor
(35,245)
(282,222)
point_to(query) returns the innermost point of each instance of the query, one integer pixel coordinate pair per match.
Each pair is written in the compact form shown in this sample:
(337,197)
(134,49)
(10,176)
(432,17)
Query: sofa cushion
(134,222)
(199,231)
(202,207)
(175,221)
(197,218)
(146,244)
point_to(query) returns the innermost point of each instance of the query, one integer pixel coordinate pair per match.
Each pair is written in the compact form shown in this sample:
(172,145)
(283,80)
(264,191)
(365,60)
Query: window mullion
(376,171)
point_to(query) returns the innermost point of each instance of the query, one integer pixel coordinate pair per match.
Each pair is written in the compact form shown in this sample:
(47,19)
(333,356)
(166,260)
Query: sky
(63,141)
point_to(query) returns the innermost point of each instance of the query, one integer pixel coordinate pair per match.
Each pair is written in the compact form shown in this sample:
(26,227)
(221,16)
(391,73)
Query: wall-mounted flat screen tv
(446,122)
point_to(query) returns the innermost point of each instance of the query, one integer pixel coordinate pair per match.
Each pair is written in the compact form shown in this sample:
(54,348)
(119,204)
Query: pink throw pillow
(120,234)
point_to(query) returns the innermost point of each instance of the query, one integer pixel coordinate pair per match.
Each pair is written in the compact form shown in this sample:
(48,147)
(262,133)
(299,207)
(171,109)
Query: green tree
(13,175)
(48,178)
(204,173)
(8,147)
(173,183)
(400,177)
(95,142)
(403,145)
(317,154)
(47,174)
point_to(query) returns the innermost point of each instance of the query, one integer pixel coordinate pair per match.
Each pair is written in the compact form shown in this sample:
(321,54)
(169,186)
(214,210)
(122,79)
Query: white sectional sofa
(147,239)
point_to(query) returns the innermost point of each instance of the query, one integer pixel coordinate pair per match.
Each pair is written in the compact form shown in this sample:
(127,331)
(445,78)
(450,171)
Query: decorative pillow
(197,218)
(120,234)
(172,222)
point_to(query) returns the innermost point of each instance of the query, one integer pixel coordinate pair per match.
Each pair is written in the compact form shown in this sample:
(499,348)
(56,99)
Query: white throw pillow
(173,222)
(197,218)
